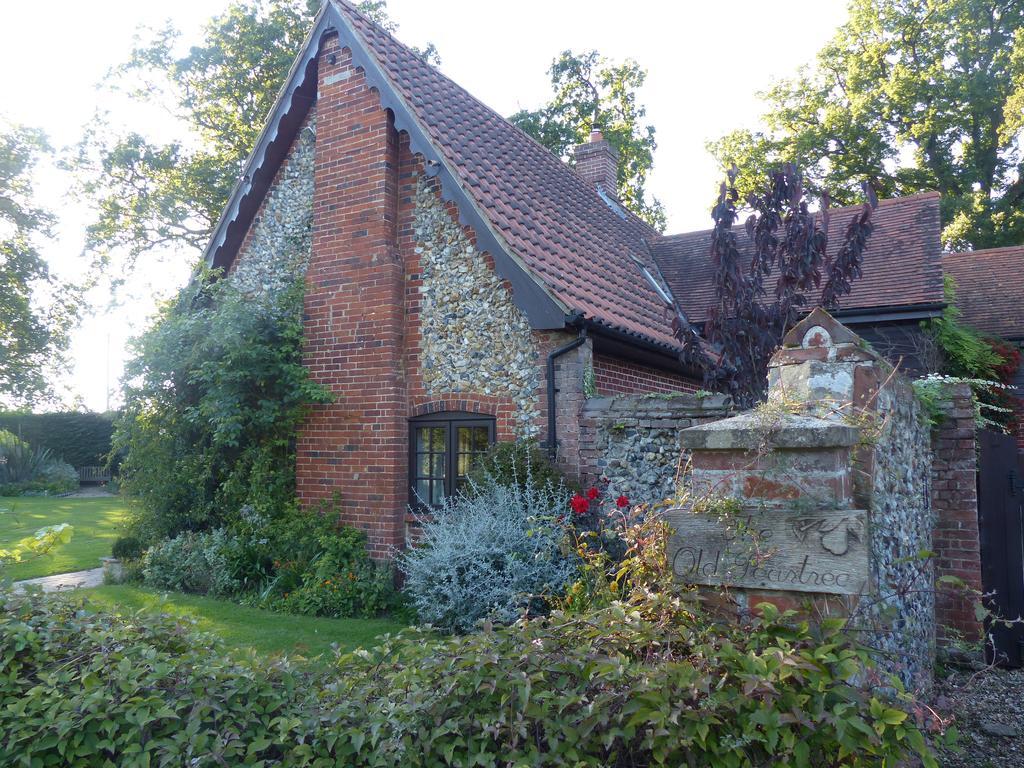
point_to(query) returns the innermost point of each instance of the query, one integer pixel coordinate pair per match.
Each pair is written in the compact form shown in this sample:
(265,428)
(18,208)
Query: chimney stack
(598,163)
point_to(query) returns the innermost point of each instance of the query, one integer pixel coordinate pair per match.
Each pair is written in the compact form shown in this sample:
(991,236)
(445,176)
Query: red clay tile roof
(553,220)
(902,264)
(990,289)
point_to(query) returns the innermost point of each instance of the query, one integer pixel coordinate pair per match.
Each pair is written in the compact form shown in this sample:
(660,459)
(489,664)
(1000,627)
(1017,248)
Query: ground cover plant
(624,685)
(300,562)
(96,521)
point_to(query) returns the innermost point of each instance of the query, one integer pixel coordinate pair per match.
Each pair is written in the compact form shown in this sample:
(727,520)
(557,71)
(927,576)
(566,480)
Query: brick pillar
(955,503)
(569,395)
(356,447)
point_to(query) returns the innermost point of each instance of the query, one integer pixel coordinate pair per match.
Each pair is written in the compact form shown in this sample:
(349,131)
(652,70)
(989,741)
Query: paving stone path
(64,581)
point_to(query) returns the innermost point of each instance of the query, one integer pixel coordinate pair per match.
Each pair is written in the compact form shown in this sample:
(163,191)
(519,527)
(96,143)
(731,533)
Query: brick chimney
(598,162)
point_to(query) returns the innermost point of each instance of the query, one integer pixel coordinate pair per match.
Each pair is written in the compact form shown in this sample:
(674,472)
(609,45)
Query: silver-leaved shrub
(490,552)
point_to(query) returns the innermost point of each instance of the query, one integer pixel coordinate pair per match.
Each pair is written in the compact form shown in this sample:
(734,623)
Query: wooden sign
(803,551)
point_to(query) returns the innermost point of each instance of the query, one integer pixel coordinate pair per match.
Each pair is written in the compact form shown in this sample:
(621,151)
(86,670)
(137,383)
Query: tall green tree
(36,310)
(591,92)
(911,95)
(150,194)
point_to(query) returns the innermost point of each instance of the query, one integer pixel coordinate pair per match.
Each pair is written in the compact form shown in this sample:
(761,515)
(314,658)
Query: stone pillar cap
(750,431)
(819,329)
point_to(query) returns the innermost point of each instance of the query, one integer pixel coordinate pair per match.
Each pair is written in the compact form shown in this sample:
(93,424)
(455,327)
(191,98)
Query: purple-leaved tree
(787,243)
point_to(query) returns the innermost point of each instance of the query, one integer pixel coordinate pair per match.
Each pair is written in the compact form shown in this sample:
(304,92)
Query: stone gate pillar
(818,500)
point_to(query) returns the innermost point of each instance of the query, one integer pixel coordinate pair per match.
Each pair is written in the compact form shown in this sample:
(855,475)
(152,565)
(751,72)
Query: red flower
(579,505)
(593,493)
(621,502)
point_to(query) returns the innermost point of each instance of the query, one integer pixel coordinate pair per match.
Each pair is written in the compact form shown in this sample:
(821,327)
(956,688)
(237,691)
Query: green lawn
(97,522)
(242,628)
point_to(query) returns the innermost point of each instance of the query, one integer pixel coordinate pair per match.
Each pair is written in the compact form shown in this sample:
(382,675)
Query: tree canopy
(149,194)
(912,96)
(592,92)
(36,311)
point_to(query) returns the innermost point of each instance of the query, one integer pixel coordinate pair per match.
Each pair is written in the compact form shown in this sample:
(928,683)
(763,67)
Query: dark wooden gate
(1000,503)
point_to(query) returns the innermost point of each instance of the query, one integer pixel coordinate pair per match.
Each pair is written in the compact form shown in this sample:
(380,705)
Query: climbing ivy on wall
(986,364)
(214,397)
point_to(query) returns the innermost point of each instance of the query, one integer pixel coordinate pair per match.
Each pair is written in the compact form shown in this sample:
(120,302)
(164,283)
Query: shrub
(613,688)
(60,476)
(339,580)
(218,390)
(515,463)
(609,688)
(490,553)
(301,562)
(28,470)
(127,548)
(81,688)
(191,562)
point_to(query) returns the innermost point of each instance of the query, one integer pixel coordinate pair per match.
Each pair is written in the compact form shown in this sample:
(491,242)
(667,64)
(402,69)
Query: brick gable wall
(369,298)
(354,448)
(404,317)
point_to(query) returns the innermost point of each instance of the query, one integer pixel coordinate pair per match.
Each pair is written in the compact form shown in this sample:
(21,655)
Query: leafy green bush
(489,553)
(80,688)
(306,562)
(967,353)
(127,548)
(209,421)
(609,688)
(613,688)
(515,463)
(300,562)
(340,579)
(191,562)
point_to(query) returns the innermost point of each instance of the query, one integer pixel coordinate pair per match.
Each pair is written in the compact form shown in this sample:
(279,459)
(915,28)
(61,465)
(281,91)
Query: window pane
(481,438)
(438,496)
(465,462)
(423,490)
(465,438)
(423,438)
(437,439)
(438,465)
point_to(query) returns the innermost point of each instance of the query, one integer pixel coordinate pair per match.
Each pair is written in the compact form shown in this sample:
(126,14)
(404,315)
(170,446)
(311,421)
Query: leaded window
(444,448)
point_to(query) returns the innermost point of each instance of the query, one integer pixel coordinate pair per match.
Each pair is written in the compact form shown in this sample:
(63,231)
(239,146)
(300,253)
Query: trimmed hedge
(609,688)
(80,439)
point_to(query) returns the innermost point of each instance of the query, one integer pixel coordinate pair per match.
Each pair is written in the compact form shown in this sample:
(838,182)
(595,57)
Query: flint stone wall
(280,241)
(474,339)
(632,441)
(902,522)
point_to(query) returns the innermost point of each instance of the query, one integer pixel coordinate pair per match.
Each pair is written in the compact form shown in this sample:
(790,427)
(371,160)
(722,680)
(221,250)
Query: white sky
(705,61)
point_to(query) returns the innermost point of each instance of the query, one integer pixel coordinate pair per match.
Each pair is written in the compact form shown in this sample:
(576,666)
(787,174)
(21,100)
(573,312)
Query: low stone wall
(633,440)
